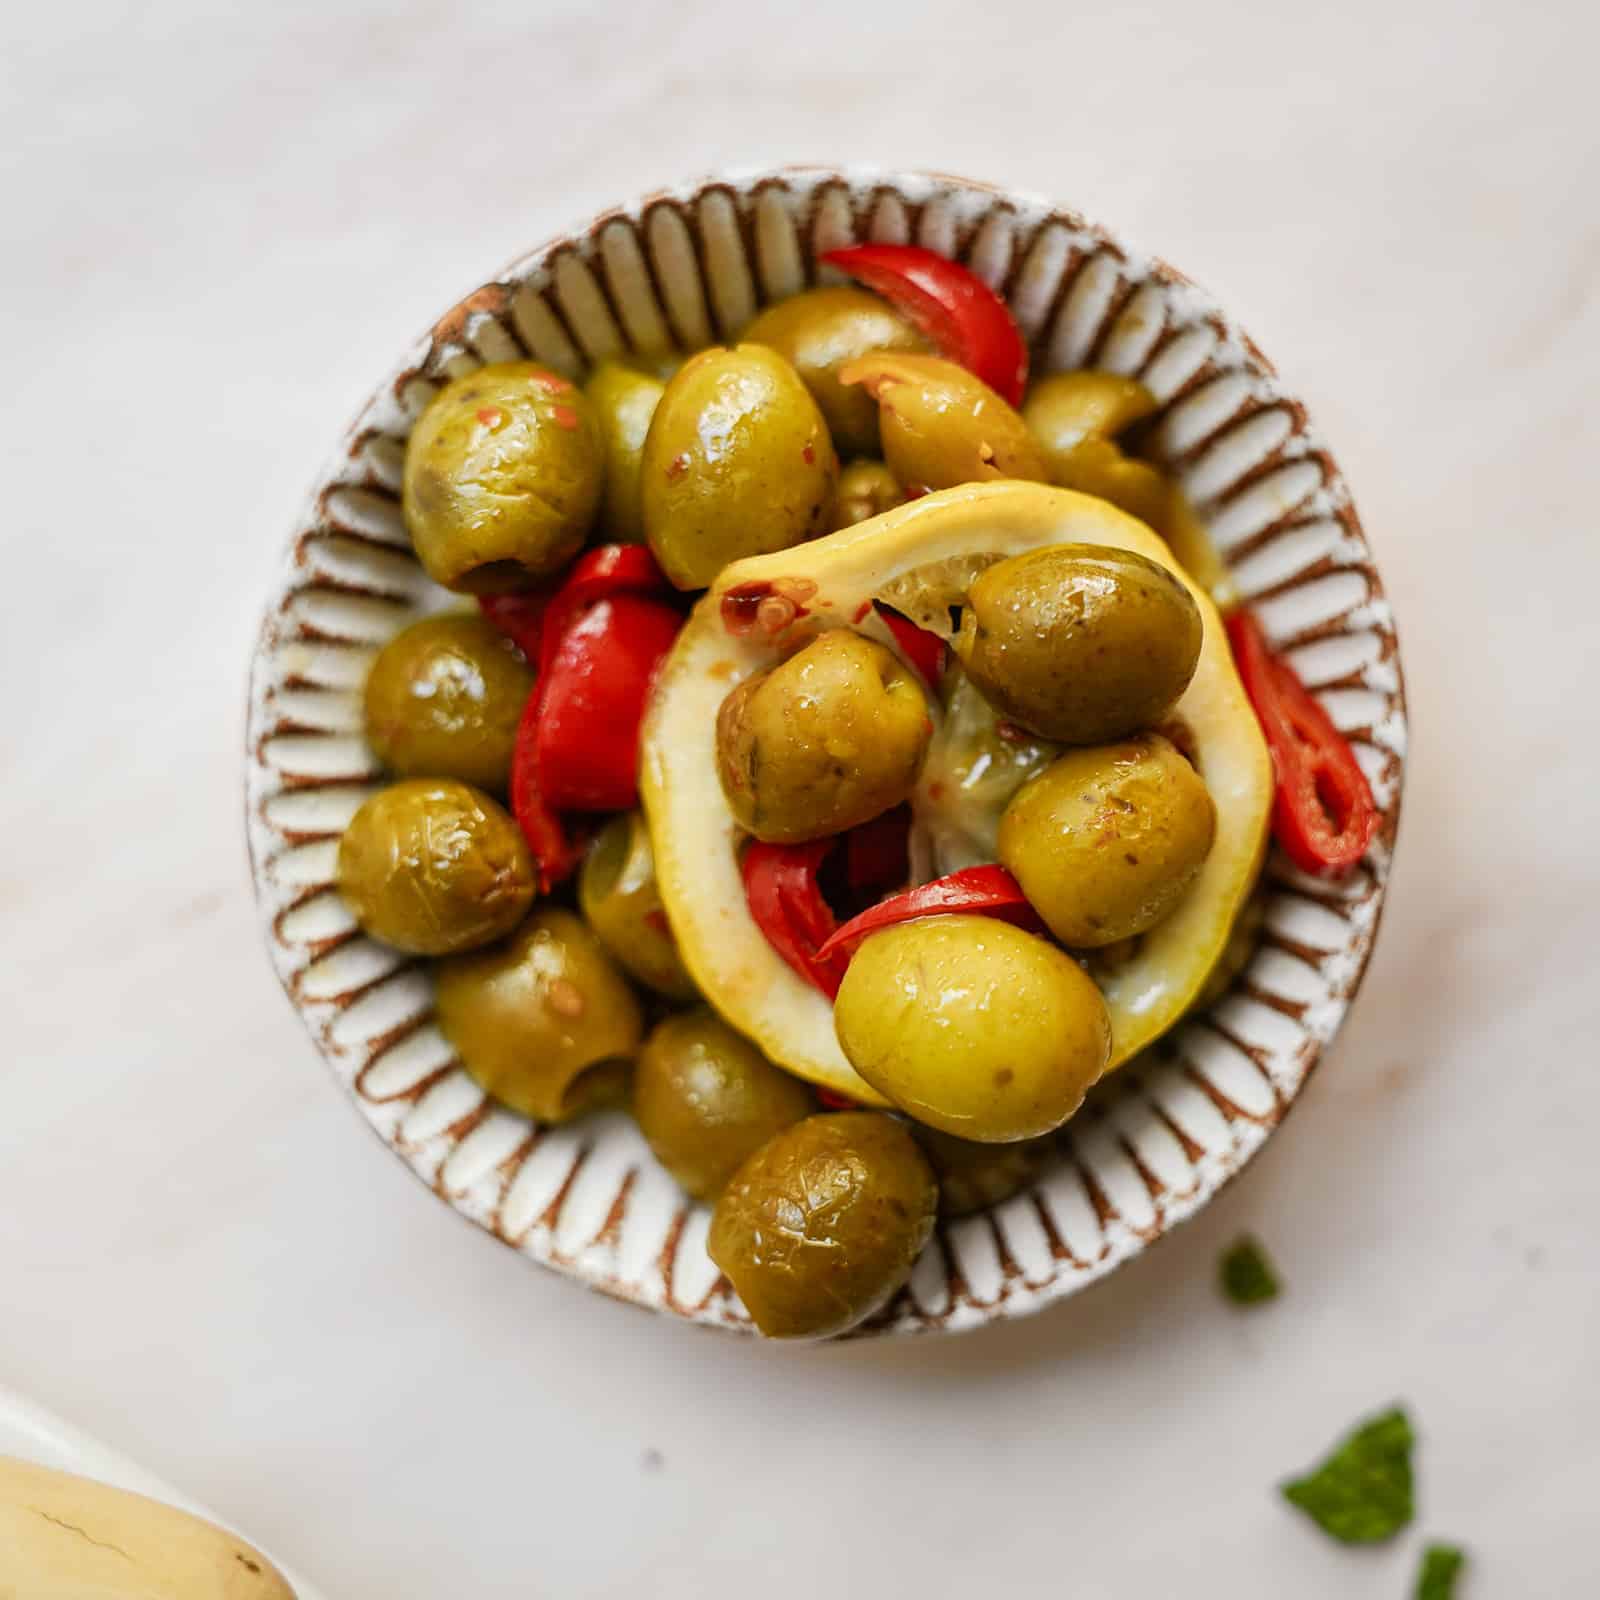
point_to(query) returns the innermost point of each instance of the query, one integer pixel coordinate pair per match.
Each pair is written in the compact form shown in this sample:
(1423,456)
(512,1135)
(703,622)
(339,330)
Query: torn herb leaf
(1442,1564)
(1247,1275)
(1362,1493)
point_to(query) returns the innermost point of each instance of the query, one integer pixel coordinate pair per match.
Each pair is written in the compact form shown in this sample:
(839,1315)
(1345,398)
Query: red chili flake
(915,491)
(861,612)
(936,791)
(808,455)
(564,417)
(676,468)
(832,1100)
(1011,733)
(656,921)
(550,382)
(491,416)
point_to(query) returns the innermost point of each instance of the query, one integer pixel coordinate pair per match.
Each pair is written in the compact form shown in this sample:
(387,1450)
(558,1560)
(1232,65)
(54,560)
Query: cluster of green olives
(565,1001)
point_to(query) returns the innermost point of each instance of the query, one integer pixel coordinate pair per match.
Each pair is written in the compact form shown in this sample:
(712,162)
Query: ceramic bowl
(687,267)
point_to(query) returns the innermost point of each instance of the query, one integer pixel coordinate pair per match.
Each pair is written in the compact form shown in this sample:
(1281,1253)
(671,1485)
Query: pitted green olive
(829,738)
(973,1027)
(1106,841)
(1080,643)
(443,700)
(618,895)
(432,866)
(706,1100)
(822,1225)
(819,330)
(503,473)
(532,1016)
(737,462)
(941,425)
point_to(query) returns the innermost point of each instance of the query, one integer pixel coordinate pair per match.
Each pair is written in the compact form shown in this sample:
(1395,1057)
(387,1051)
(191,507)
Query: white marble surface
(212,1265)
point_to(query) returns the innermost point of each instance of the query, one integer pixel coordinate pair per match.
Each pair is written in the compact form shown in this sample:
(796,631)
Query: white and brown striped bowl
(684,268)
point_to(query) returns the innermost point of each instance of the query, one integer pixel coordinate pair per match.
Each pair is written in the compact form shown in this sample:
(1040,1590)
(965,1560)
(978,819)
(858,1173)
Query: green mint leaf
(1442,1564)
(1362,1493)
(1247,1275)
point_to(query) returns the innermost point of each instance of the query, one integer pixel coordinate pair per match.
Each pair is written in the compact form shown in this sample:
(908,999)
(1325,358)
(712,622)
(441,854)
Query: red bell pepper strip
(974,891)
(877,854)
(1323,815)
(556,848)
(520,617)
(599,574)
(924,650)
(590,701)
(780,887)
(955,308)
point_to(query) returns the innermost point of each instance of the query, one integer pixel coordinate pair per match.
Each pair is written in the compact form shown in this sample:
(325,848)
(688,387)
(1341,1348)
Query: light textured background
(216,224)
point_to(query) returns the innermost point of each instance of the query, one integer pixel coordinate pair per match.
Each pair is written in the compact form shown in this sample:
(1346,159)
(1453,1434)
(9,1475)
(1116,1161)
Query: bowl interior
(686,268)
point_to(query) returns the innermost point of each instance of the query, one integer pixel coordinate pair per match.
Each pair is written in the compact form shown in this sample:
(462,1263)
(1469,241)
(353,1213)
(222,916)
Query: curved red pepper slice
(780,887)
(591,699)
(599,574)
(924,650)
(954,307)
(520,617)
(1323,813)
(556,848)
(974,891)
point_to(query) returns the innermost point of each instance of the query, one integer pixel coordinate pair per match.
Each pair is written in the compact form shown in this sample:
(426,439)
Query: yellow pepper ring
(920,557)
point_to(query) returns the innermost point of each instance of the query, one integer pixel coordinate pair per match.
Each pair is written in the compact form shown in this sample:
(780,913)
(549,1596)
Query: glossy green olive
(624,400)
(737,462)
(1076,417)
(503,475)
(973,1177)
(1106,841)
(829,738)
(866,489)
(433,866)
(531,1017)
(706,1100)
(823,1224)
(1080,643)
(443,699)
(1068,407)
(941,425)
(621,901)
(821,329)
(973,1027)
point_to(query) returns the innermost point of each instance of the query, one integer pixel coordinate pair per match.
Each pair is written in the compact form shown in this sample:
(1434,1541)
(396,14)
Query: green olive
(823,1224)
(821,329)
(737,463)
(973,1027)
(830,738)
(531,1017)
(973,1177)
(941,425)
(866,489)
(1068,407)
(617,893)
(503,473)
(432,866)
(444,698)
(1080,643)
(706,1100)
(624,400)
(1076,416)
(1106,841)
